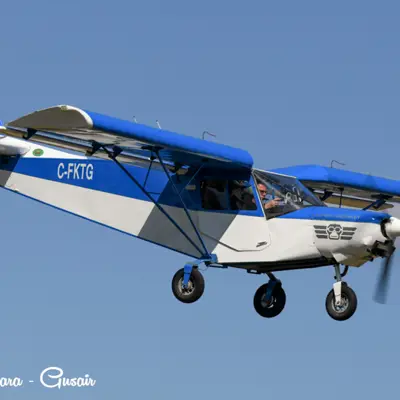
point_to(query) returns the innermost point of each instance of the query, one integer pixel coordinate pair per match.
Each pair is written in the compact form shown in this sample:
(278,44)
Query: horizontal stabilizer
(11,147)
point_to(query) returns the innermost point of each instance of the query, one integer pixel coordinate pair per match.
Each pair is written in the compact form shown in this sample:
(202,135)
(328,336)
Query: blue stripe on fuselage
(106,176)
(102,175)
(337,214)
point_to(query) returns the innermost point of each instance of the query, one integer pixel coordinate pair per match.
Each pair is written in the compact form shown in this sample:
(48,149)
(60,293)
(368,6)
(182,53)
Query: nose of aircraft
(392,228)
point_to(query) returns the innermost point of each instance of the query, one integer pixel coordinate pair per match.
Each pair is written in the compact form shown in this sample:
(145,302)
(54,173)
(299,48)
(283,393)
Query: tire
(345,311)
(195,287)
(274,307)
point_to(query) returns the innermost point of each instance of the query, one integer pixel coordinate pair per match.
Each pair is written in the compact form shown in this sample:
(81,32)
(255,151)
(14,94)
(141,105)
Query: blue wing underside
(350,188)
(66,123)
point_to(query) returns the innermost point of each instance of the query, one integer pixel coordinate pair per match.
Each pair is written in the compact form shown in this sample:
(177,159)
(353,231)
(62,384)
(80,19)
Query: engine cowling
(391,228)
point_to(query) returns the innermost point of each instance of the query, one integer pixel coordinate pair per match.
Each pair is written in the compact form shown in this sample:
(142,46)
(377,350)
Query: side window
(214,195)
(241,196)
(227,195)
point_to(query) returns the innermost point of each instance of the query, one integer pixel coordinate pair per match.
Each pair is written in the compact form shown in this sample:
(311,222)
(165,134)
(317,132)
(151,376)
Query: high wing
(96,135)
(351,189)
(76,129)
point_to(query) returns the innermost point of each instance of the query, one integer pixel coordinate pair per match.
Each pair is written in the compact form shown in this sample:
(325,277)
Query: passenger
(262,189)
(214,196)
(242,197)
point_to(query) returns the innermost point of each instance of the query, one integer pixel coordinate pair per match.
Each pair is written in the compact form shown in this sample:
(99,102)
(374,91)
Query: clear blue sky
(292,82)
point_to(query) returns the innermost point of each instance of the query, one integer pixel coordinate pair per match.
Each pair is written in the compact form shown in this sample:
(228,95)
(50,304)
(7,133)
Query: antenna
(159,126)
(134,118)
(337,162)
(208,133)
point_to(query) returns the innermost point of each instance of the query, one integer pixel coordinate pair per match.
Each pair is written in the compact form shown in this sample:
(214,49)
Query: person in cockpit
(262,189)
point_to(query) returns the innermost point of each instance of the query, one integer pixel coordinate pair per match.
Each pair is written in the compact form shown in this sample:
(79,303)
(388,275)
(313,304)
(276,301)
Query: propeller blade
(382,286)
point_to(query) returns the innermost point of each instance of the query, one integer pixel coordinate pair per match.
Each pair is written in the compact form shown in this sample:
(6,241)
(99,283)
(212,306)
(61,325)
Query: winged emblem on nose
(334,232)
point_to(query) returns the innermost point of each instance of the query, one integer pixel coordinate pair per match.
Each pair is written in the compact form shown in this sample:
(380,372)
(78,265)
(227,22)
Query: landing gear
(341,302)
(346,306)
(270,299)
(188,285)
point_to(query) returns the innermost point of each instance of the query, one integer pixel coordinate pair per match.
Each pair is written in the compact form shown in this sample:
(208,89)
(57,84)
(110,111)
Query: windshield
(282,194)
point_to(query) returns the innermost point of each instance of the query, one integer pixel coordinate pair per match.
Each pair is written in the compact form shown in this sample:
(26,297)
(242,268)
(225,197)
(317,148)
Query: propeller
(383,282)
(390,229)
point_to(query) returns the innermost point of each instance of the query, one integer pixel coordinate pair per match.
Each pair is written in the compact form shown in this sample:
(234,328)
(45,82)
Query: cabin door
(231,215)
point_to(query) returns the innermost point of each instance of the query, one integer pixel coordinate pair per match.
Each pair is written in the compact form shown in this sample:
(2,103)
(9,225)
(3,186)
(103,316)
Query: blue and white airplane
(205,200)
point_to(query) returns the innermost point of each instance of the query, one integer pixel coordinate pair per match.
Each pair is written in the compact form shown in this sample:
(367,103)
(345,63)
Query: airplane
(205,200)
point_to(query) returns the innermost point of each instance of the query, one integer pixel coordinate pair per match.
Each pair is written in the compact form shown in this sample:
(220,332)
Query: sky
(291,82)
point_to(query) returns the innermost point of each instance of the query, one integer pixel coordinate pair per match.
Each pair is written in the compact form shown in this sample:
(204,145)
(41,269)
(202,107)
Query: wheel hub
(186,291)
(267,303)
(343,306)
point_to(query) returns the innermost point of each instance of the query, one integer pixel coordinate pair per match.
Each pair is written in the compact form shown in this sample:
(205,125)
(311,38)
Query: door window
(227,195)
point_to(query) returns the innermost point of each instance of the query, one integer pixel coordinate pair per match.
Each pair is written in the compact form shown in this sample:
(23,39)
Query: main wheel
(347,307)
(194,289)
(269,308)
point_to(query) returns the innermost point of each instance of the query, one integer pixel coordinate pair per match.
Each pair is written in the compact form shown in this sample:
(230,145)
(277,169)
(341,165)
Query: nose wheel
(343,307)
(341,302)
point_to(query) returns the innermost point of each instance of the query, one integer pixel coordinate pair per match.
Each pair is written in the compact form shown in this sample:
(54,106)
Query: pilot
(262,189)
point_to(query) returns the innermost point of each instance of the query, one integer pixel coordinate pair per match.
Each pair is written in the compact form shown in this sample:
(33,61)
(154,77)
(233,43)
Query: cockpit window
(213,195)
(282,194)
(227,195)
(241,196)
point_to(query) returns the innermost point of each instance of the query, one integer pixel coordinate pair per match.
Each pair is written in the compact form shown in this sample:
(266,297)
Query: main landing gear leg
(341,302)
(270,298)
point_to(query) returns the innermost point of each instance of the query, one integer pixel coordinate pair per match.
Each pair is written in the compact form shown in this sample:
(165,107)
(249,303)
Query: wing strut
(114,154)
(183,203)
(377,203)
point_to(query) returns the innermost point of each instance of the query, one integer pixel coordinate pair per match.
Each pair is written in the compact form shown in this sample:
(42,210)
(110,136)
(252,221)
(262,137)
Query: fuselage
(98,190)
